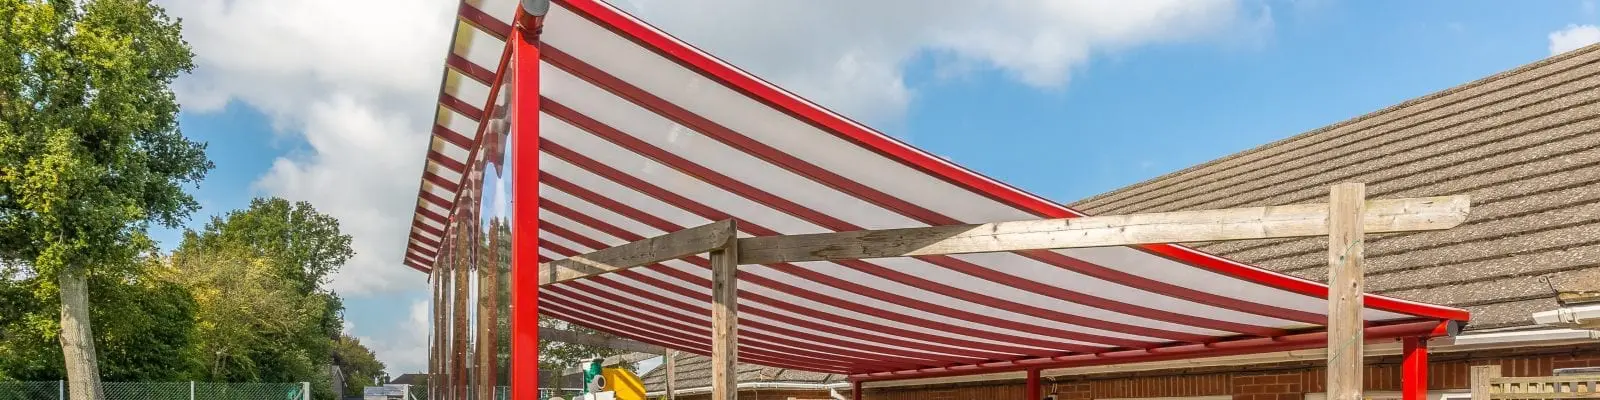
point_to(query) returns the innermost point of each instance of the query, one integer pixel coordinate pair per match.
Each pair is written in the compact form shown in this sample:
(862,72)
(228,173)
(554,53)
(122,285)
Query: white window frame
(1217,397)
(1443,394)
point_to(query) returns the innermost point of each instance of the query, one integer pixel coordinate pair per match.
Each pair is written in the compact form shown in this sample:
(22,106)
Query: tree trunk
(77,339)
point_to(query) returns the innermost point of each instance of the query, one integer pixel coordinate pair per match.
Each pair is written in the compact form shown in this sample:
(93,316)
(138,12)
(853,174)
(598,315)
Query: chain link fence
(31,391)
(56,390)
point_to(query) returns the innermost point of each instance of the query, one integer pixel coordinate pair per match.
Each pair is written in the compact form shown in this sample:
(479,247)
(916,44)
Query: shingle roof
(1525,144)
(410,379)
(694,371)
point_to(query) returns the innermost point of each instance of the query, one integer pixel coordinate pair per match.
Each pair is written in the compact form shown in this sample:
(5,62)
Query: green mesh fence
(56,390)
(30,390)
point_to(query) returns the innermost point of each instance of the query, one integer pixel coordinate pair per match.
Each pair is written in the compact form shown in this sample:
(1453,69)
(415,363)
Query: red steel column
(1033,391)
(1414,369)
(855,390)
(525,201)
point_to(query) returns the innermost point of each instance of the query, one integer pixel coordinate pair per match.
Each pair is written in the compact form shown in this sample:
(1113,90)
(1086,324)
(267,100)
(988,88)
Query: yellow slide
(626,385)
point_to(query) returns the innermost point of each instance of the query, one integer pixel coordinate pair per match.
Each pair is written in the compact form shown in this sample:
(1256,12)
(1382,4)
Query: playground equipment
(602,383)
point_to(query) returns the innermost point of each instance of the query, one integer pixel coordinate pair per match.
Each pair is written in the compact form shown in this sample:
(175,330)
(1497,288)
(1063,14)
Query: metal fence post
(191,390)
(305,390)
(61,389)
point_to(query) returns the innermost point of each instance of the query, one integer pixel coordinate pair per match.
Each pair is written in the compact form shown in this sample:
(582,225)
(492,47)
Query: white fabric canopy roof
(641,134)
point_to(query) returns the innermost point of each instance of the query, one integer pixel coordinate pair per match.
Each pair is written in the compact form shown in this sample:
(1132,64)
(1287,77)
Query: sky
(329,101)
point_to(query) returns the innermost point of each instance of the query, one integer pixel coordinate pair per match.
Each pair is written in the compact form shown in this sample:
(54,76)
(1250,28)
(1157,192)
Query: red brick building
(1525,144)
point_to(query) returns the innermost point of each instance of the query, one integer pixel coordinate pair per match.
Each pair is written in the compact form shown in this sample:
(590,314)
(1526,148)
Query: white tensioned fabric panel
(636,141)
(641,135)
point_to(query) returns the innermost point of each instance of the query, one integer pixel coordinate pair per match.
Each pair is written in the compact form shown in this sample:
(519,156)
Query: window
(1449,394)
(1222,397)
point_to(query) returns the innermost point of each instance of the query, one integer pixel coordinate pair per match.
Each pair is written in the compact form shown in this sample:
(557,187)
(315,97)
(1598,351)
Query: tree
(361,367)
(258,275)
(250,323)
(303,245)
(143,329)
(90,152)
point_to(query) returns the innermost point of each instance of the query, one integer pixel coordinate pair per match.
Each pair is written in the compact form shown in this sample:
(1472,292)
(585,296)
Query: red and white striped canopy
(642,134)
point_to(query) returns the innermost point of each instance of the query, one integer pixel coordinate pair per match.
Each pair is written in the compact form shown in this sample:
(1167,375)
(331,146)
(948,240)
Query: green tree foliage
(361,367)
(251,326)
(302,245)
(90,152)
(242,300)
(143,329)
(258,276)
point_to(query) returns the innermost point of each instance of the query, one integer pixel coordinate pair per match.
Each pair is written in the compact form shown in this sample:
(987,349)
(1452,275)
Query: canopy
(642,134)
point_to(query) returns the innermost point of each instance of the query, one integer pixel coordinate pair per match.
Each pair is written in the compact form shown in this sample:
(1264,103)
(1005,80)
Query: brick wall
(1285,381)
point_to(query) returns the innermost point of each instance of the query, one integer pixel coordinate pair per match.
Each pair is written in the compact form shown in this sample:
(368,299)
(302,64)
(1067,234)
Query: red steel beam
(1299,341)
(1414,369)
(1031,391)
(525,197)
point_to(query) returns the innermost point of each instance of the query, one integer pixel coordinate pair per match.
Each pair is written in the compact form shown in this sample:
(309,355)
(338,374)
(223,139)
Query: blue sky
(1124,115)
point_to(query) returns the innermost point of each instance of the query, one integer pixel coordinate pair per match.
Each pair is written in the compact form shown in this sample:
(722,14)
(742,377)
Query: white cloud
(404,347)
(1573,38)
(356,81)
(356,78)
(851,55)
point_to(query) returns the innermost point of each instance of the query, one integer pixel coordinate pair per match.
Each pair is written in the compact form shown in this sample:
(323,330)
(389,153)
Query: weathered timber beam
(675,245)
(566,336)
(1346,280)
(1396,215)
(725,321)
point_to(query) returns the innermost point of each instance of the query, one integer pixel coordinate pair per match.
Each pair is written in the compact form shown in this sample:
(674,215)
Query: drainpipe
(1584,316)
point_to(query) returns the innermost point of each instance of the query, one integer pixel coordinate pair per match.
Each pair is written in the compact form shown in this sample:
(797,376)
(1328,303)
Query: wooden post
(488,303)
(1414,369)
(725,320)
(1481,384)
(672,374)
(463,284)
(441,327)
(433,334)
(1346,335)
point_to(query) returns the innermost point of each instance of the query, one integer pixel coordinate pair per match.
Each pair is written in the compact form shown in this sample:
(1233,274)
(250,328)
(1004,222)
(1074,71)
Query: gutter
(1465,342)
(832,388)
(1585,316)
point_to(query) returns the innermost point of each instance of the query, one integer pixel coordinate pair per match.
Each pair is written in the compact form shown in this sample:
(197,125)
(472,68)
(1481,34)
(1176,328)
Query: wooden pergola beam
(1398,215)
(687,242)
(725,320)
(1346,251)
(1380,216)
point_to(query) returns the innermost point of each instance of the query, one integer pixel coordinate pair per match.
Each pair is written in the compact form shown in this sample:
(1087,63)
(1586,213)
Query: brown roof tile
(1525,144)
(694,371)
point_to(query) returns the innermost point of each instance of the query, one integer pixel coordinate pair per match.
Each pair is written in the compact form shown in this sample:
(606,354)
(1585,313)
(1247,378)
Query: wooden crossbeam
(687,242)
(1304,220)
(1397,215)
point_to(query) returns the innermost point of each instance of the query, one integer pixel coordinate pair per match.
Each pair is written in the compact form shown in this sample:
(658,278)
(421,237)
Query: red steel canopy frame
(622,133)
